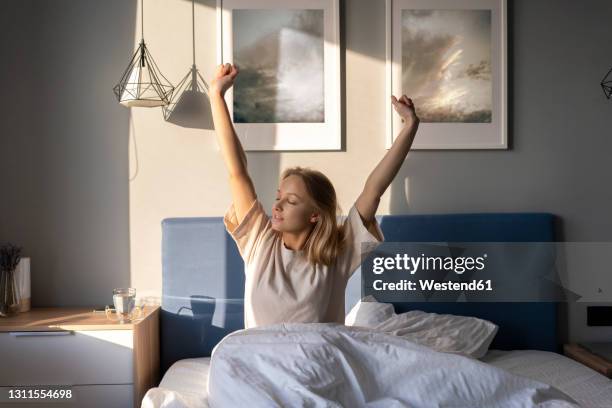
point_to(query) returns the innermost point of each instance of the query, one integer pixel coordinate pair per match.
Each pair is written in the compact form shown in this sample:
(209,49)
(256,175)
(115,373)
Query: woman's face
(293,210)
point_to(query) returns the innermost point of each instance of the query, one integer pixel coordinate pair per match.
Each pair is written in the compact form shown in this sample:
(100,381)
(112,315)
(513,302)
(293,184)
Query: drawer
(66,357)
(90,396)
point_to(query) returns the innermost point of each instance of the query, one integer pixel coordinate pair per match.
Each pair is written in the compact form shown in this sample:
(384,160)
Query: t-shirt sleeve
(357,234)
(249,233)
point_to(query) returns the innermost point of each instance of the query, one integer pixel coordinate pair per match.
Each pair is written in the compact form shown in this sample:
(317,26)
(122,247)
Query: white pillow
(468,336)
(369,313)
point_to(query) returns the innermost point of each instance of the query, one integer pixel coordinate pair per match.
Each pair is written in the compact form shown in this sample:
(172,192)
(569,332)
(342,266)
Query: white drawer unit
(103,363)
(68,357)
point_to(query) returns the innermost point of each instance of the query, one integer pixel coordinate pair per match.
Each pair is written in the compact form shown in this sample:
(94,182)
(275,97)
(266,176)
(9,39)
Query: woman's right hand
(405,108)
(224,78)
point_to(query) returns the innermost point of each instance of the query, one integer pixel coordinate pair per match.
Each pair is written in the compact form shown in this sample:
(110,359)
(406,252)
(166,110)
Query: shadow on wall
(196,324)
(190,105)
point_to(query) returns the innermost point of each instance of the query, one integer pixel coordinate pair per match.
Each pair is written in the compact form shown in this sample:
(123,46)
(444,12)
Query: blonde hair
(326,240)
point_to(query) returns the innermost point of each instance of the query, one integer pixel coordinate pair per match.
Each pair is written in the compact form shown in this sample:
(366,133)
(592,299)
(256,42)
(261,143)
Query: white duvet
(332,365)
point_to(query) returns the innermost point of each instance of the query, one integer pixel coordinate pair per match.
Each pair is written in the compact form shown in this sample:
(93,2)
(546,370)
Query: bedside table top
(588,358)
(67,318)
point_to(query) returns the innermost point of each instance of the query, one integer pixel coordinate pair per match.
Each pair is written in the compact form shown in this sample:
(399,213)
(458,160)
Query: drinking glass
(126,309)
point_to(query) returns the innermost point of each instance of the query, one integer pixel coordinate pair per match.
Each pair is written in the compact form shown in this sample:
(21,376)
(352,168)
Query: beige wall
(180,170)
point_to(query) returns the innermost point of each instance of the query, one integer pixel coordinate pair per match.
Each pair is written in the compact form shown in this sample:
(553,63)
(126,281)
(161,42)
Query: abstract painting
(280,57)
(446,64)
(287,93)
(449,57)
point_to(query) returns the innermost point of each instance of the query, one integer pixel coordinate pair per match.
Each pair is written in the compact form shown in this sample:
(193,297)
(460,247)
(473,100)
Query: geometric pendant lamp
(188,100)
(142,84)
(606,84)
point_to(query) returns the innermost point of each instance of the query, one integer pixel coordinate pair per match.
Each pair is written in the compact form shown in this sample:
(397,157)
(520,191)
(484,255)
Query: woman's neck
(295,241)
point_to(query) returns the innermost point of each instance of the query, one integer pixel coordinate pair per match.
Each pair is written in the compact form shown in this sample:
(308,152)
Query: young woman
(298,262)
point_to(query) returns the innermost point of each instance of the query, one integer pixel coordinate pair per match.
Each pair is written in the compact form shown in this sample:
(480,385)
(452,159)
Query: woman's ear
(314,218)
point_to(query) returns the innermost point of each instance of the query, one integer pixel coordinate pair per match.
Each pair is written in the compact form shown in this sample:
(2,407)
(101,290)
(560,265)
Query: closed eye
(292,203)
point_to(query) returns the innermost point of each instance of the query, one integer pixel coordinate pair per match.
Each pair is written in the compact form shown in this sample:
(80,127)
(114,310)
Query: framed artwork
(287,93)
(450,57)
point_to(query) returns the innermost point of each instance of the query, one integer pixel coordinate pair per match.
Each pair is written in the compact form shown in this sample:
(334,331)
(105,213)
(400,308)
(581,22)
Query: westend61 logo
(436,271)
(404,262)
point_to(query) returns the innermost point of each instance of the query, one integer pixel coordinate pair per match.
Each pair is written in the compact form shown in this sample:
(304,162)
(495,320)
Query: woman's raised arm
(241,185)
(384,173)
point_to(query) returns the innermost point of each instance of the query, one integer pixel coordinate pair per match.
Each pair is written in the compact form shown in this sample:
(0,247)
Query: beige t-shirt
(280,284)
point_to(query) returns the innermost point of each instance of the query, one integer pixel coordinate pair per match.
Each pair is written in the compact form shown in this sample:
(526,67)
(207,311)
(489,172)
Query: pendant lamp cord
(142,19)
(142,53)
(193,27)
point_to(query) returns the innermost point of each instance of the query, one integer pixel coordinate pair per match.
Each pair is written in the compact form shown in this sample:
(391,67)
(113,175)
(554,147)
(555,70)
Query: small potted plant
(10,255)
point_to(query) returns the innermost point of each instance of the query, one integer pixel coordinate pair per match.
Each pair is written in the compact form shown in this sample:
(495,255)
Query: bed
(586,386)
(202,303)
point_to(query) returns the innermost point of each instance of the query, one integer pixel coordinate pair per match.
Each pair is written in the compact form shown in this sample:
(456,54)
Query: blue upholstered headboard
(203,279)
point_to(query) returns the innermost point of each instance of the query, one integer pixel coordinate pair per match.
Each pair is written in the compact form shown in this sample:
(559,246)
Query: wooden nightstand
(589,359)
(106,364)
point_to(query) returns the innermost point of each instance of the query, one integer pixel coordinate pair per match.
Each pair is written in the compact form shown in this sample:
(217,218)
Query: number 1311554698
(14,394)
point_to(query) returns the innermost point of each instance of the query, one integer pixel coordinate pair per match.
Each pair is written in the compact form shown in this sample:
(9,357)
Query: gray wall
(19,167)
(64,140)
(63,145)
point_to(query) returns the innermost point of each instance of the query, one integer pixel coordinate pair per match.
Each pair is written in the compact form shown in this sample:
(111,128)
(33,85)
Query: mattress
(184,384)
(588,387)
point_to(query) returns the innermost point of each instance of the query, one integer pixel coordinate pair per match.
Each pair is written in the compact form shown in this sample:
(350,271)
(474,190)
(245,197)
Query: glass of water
(126,309)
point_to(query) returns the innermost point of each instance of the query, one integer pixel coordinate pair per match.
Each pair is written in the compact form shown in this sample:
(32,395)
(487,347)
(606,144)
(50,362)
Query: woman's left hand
(405,108)
(223,79)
